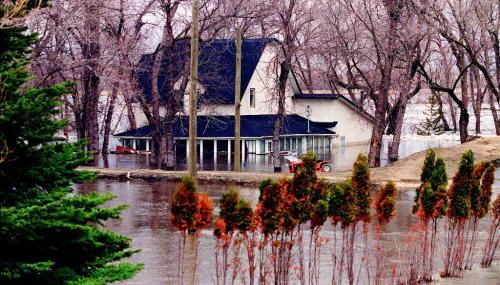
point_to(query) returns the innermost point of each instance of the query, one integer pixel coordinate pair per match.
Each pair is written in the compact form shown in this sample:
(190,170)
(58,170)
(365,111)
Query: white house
(314,121)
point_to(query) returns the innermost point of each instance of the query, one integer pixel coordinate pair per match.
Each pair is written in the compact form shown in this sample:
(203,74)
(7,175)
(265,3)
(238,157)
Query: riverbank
(405,173)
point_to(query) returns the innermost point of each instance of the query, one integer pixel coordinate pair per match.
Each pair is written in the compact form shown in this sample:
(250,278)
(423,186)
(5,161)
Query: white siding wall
(352,125)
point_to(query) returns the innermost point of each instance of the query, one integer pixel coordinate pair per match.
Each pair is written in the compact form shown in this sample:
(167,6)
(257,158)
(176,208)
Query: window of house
(252,97)
(140,144)
(127,143)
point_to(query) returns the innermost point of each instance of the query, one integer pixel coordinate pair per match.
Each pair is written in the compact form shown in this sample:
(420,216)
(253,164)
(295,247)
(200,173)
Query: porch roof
(252,126)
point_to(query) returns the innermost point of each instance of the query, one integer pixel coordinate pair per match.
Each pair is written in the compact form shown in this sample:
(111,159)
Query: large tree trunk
(91,51)
(477,97)
(132,122)
(157,152)
(453,113)
(441,111)
(79,118)
(170,107)
(108,120)
(396,140)
(376,144)
(382,98)
(494,113)
(280,115)
(393,116)
(463,123)
(379,127)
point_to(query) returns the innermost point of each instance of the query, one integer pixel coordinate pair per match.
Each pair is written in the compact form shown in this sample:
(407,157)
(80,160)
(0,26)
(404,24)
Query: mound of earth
(408,170)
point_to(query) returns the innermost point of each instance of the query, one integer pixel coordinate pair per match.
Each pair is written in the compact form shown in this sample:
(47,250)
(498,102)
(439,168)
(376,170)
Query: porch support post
(147,145)
(201,151)
(304,145)
(134,145)
(243,150)
(324,145)
(229,151)
(215,154)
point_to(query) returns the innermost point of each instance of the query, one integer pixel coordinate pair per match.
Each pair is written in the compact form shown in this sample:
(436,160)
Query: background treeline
(380,54)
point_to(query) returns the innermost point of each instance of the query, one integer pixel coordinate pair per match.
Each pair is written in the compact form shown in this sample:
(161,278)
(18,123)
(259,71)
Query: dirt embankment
(405,173)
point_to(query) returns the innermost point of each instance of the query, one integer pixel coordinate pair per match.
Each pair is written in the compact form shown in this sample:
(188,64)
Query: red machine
(124,150)
(294,163)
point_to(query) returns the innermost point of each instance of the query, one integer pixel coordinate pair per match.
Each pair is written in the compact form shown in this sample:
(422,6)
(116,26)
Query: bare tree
(365,43)
(124,32)
(289,19)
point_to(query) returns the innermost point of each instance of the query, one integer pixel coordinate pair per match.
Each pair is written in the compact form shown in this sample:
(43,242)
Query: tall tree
(288,21)
(43,227)
(91,51)
(193,92)
(365,45)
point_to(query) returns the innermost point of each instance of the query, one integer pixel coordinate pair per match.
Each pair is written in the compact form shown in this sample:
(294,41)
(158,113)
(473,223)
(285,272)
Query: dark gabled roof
(216,68)
(252,126)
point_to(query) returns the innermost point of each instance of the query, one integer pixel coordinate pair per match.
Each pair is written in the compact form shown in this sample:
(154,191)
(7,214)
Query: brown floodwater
(145,221)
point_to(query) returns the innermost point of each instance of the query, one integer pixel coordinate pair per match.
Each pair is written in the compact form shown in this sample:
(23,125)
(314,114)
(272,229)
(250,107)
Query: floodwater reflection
(146,222)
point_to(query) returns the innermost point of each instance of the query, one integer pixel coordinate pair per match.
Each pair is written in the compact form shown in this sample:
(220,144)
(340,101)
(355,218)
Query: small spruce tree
(433,123)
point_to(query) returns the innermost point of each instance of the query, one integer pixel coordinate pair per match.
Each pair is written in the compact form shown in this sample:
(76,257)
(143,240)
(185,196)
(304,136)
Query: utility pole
(193,86)
(308,114)
(237,105)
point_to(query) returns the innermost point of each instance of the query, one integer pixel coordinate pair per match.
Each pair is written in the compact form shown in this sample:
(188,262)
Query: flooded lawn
(341,158)
(146,222)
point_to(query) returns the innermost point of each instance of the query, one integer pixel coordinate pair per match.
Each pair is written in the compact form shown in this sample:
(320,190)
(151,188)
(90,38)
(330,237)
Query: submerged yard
(146,222)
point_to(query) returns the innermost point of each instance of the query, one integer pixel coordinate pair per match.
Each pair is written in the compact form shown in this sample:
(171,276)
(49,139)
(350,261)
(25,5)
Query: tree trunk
(91,51)
(393,116)
(382,98)
(280,115)
(132,122)
(396,140)
(193,82)
(79,118)
(453,114)
(376,144)
(237,105)
(441,111)
(108,119)
(463,123)
(157,154)
(494,113)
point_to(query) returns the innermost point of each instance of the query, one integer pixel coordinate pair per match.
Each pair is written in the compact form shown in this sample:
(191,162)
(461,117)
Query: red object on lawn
(320,165)
(123,150)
